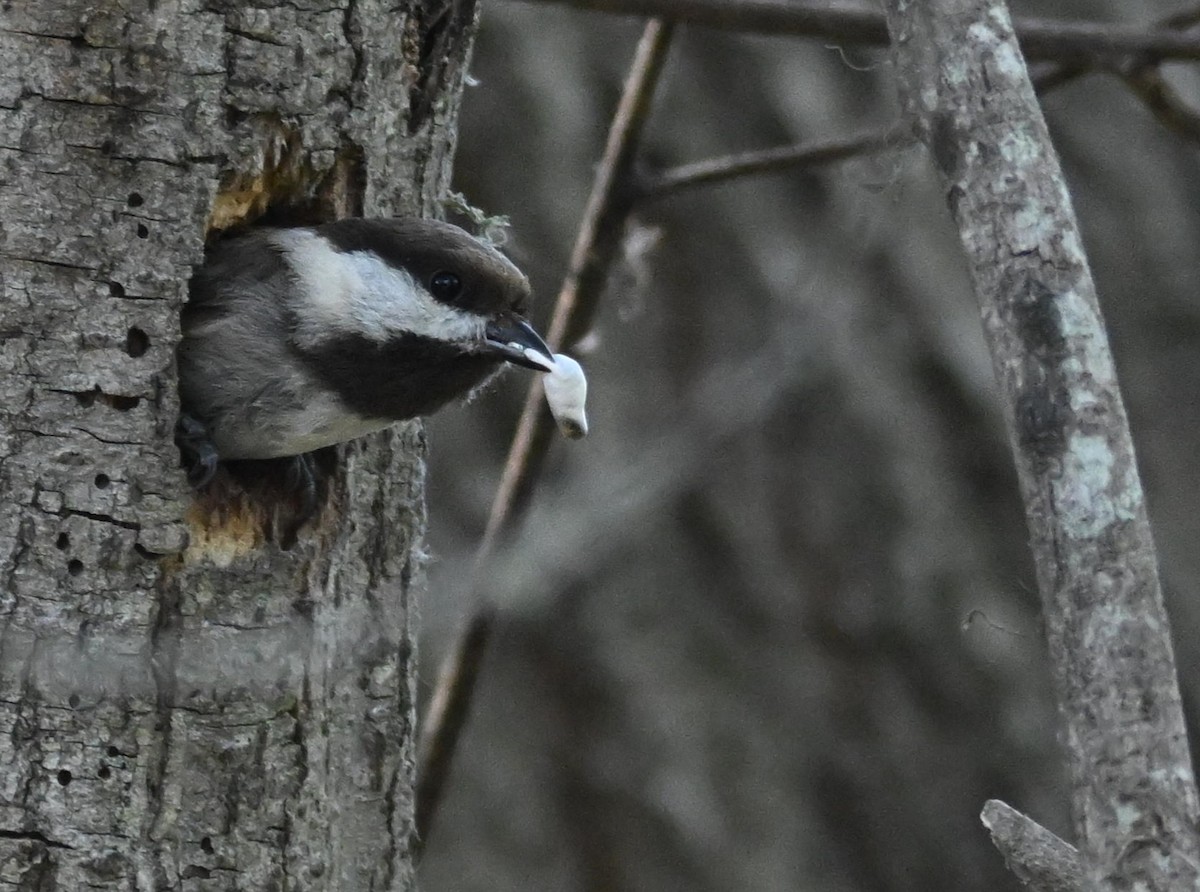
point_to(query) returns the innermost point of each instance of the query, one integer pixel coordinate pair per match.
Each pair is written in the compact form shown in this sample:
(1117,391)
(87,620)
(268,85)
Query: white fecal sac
(566,392)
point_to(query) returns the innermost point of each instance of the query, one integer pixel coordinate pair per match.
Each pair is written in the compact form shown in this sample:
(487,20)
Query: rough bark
(1038,858)
(184,703)
(964,83)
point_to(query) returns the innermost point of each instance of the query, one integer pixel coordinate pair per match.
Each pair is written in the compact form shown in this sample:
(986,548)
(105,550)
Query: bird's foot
(302,478)
(197,451)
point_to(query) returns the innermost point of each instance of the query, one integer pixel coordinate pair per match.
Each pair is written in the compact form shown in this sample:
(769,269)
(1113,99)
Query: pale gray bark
(183,703)
(964,83)
(1038,858)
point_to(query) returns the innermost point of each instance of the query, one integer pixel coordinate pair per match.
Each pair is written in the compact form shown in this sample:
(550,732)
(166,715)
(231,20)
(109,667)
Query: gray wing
(237,373)
(251,264)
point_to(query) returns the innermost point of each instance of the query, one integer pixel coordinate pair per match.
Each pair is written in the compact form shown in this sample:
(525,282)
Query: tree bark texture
(965,85)
(185,703)
(1038,858)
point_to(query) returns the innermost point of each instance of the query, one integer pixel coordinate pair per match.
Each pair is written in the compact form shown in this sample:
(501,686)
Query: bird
(295,339)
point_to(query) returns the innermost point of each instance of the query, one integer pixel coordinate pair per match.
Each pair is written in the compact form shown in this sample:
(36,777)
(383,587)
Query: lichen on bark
(965,87)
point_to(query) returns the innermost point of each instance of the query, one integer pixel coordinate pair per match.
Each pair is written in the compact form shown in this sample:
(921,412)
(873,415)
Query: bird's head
(400,316)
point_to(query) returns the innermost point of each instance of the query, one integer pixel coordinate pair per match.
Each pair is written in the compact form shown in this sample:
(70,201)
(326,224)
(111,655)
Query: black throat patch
(404,377)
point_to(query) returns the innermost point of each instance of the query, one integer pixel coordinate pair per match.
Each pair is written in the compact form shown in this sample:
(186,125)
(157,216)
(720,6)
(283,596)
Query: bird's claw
(197,450)
(302,479)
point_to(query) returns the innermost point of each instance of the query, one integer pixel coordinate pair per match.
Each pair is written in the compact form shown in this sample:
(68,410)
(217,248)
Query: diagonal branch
(1163,100)
(1042,39)
(1049,75)
(1038,858)
(596,247)
(716,170)
(964,84)
(1143,78)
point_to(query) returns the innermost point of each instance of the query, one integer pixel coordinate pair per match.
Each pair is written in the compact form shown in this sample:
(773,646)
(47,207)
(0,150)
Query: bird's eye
(445,285)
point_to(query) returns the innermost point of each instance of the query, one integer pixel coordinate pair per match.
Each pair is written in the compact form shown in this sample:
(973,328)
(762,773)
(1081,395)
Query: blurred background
(772,626)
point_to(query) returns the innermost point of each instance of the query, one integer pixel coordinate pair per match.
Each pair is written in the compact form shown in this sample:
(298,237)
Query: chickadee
(297,339)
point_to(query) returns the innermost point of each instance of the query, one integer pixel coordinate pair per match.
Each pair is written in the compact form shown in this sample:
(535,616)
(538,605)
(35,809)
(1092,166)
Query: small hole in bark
(142,231)
(135,200)
(104,773)
(124,403)
(113,752)
(74,566)
(73,701)
(116,289)
(63,542)
(64,777)
(137,342)
(102,481)
(108,147)
(206,845)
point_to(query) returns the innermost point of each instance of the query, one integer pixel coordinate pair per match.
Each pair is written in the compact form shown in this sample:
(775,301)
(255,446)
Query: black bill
(511,339)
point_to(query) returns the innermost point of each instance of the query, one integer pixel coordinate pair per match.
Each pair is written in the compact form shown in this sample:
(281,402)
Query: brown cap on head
(454,266)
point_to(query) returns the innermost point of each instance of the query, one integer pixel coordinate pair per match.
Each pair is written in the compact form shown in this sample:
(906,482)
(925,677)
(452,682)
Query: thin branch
(596,247)
(1163,101)
(1043,39)
(1049,75)
(1182,20)
(447,715)
(716,170)
(1145,78)
(1040,860)
(1135,803)
(800,155)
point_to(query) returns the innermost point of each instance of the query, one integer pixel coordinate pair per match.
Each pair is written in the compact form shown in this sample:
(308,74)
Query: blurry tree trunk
(964,83)
(181,698)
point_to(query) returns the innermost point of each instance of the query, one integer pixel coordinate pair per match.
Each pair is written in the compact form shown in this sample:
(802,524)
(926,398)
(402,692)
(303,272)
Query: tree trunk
(184,702)
(964,84)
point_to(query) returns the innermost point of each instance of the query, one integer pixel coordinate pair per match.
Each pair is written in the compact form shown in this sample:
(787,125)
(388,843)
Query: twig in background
(1145,78)
(716,170)
(1049,75)
(1163,100)
(596,247)
(1041,39)
(1038,858)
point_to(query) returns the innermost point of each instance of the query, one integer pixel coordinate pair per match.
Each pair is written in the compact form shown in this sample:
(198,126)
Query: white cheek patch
(326,282)
(357,293)
(566,392)
(392,301)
